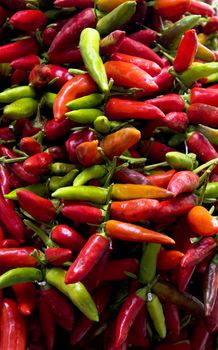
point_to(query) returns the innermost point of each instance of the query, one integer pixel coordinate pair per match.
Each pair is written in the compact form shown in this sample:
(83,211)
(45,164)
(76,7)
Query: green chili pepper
(210,133)
(148,262)
(179,161)
(197,71)
(84,116)
(61,181)
(172,35)
(116,18)
(49,98)
(20,275)
(211,190)
(16,93)
(76,292)
(90,101)
(155,311)
(23,108)
(102,124)
(89,47)
(40,189)
(212,78)
(176,140)
(91,193)
(62,168)
(93,172)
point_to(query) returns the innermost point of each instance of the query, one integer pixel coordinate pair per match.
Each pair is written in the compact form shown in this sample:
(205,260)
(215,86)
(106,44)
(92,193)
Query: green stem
(206,165)
(154,166)
(11,160)
(41,234)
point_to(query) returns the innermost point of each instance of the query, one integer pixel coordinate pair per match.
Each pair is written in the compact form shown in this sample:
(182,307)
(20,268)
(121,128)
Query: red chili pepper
(211,26)
(76,138)
(200,8)
(13,327)
(25,63)
(135,48)
(67,237)
(138,331)
(199,336)
(58,153)
(5,184)
(168,259)
(101,299)
(111,43)
(57,256)
(199,251)
(70,32)
(29,20)
(30,146)
(211,321)
(172,319)
(204,264)
(202,222)
(183,181)
(6,134)
(164,80)
(168,103)
(42,74)
(117,109)
(134,210)
(1,236)
(49,33)
(87,153)
(26,296)
(144,36)
(12,51)
(202,113)
(115,269)
(68,56)
(47,322)
(156,150)
(82,212)
(161,179)
(150,67)
(89,255)
(60,306)
(10,243)
(19,77)
(38,163)
(74,88)
(198,144)
(176,121)
(183,276)
(210,286)
(203,96)
(23,128)
(109,341)
(130,176)
(172,8)
(17,257)
(74,3)
(16,182)
(186,51)
(39,208)
(54,130)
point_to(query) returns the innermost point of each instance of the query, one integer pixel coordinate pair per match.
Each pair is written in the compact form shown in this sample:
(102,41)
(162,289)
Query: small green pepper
(48,99)
(156,313)
(61,181)
(62,168)
(210,133)
(23,108)
(76,292)
(90,101)
(148,262)
(20,275)
(84,116)
(102,124)
(211,190)
(179,161)
(93,172)
(90,193)
(198,71)
(40,189)
(16,93)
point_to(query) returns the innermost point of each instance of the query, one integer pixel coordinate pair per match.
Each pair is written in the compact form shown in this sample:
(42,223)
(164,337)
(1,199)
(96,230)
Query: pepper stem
(205,165)
(41,234)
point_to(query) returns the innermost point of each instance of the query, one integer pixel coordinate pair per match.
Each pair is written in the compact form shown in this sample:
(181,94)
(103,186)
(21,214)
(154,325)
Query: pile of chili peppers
(108,175)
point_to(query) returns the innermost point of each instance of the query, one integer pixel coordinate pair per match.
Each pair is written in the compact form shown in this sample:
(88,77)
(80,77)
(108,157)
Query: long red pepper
(172,319)
(10,52)
(25,63)
(198,252)
(5,184)
(144,36)
(48,323)
(67,237)
(198,8)
(115,269)
(161,179)
(130,176)
(206,112)
(29,20)
(183,181)
(155,150)
(57,256)
(210,286)
(38,163)
(17,257)
(186,51)
(26,295)
(199,336)
(168,103)
(111,43)
(82,212)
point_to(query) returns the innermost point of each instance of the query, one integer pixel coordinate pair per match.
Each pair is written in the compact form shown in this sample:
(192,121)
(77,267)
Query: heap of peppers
(108,174)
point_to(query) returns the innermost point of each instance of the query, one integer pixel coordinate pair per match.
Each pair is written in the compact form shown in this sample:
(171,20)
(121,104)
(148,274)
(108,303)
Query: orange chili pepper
(161,179)
(168,259)
(133,191)
(201,222)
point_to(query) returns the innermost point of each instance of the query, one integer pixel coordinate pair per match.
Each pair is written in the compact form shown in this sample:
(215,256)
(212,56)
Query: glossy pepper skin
(29,20)
(67,237)
(10,52)
(201,222)
(186,51)
(38,164)
(206,112)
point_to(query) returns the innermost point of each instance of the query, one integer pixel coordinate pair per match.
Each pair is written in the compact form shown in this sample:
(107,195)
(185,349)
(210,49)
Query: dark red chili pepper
(38,163)
(19,77)
(89,255)
(161,179)
(168,103)
(42,74)
(172,319)
(29,20)
(101,299)
(199,251)
(16,182)
(109,338)
(76,138)
(17,257)
(74,3)
(72,55)
(211,26)
(115,269)
(82,212)
(150,67)
(183,181)
(5,184)
(155,150)
(204,264)
(26,296)
(138,331)
(57,256)
(60,307)
(54,130)
(186,51)
(25,63)
(41,209)
(130,176)
(12,51)
(135,48)
(198,144)
(67,237)
(30,146)
(58,153)
(13,327)
(164,80)
(210,286)
(199,336)
(202,113)
(2,236)
(6,134)
(3,15)
(200,8)
(48,323)
(144,36)
(23,128)
(211,321)
(49,33)
(111,43)
(10,243)
(183,276)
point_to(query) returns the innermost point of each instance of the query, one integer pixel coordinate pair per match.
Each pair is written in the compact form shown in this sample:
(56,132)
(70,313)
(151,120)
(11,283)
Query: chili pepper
(127,314)
(6,134)
(198,252)
(102,124)
(89,255)
(211,321)
(11,220)
(56,129)
(171,314)
(76,292)
(87,153)
(67,237)
(48,323)
(186,51)
(29,20)
(17,257)
(68,56)
(20,275)
(12,51)
(183,277)
(132,191)
(201,113)
(205,54)
(197,71)
(23,128)
(38,207)
(179,161)
(38,163)
(111,43)
(57,256)
(77,3)
(168,103)
(117,109)
(176,121)
(30,146)
(202,97)
(39,189)
(185,301)
(26,296)
(168,259)
(19,77)
(171,9)
(183,181)
(60,168)
(134,210)
(200,9)
(155,311)
(60,307)
(81,212)
(96,172)
(155,150)
(70,32)
(13,94)
(58,153)
(129,232)
(211,26)
(115,269)
(57,181)
(211,190)
(135,48)
(25,63)
(199,336)
(164,80)
(89,193)
(49,33)
(23,108)
(161,179)
(76,139)
(42,74)
(84,116)
(74,88)
(130,176)
(9,243)
(90,101)
(145,36)
(116,18)
(210,286)
(148,262)
(4,184)
(13,327)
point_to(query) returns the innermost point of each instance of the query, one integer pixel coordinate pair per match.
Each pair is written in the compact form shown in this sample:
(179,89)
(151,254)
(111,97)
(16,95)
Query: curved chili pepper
(67,237)
(38,207)
(115,269)
(198,71)
(93,172)
(10,52)
(13,94)
(145,36)
(40,189)
(183,277)
(111,43)
(199,251)
(56,182)
(89,255)
(186,51)
(130,176)
(129,232)
(48,323)
(29,20)
(5,184)
(202,222)
(200,9)
(132,191)
(57,256)
(155,311)
(74,88)
(22,108)
(26,295)
(60,307)
(13,328)
(38,163)
(183,181)
(171,9)
(210,286)
(202,113)
(168,259)
(20,275)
